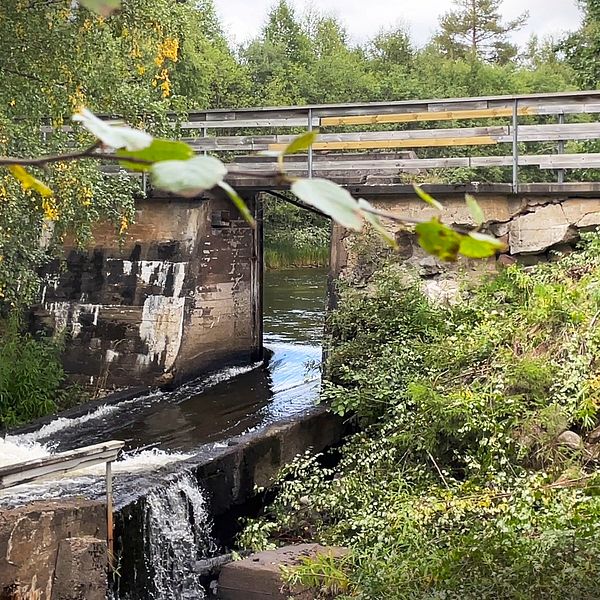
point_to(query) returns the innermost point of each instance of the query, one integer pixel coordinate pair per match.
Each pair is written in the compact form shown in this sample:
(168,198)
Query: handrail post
(515,157)
(204,136)
(561,149)
(109,517)
(310,149)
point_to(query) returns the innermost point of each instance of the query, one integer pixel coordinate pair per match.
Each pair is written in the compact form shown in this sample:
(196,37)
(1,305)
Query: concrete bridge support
(178,296)
(535,225)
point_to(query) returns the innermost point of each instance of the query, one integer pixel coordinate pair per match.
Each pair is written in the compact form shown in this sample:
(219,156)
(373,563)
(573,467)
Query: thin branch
(25,75)
(90,152)
(438,469)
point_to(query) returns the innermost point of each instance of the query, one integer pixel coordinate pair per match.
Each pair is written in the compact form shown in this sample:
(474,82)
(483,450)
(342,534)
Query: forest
(477,445)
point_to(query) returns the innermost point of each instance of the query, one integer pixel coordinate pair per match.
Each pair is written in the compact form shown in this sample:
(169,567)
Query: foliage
(306,247)
(458,485)
(294,237)
(582,48)
(31,376)
(474,30)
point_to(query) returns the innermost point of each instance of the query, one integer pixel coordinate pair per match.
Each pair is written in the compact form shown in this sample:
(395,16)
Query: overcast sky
(242,19)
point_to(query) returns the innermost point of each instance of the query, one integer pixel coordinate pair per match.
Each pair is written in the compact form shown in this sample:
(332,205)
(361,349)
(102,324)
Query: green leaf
(438,239)
(238,202)
(102,7)
(157,151)
(478,245)
(190,177)
(302,142)
(376,223)
(113,136)
(475,210)
(330,199)
(427,198)
(29,182)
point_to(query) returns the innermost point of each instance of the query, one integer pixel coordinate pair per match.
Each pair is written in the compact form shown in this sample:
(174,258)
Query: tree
(392,59)
(151,57)
(392,47)
(475,30)
(582,48)
(337,71)
(278,59)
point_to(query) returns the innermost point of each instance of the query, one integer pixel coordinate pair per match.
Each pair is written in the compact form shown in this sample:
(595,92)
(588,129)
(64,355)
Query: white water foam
(77,481)
(52,428)
(227,374)
(178,532)
(12,452)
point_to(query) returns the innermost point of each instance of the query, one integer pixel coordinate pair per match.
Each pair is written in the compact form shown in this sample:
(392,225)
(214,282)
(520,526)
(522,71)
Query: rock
(80,572)
(530,260)
(258,577)
(30,542)
(570,439)
(582,212)
(559,252)
(499,229)
(506,260)
(594,436)
(535,232)
(429,266)
(442,291)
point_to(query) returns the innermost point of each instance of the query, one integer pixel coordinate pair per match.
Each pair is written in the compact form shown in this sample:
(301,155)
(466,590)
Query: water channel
(166,427)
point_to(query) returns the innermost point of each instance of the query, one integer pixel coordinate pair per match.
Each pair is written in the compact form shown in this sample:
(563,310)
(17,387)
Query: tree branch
(90,152)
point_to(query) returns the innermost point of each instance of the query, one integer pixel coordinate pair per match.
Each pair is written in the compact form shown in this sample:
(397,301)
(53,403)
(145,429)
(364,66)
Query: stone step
(258,577)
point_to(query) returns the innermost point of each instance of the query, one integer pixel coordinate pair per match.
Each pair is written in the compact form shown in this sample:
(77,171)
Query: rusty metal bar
(561,150)
(310,150)
(515,142)
(110,544)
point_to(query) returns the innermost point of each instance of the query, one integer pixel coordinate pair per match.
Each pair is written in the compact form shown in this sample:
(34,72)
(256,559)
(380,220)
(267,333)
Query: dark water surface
(233,401)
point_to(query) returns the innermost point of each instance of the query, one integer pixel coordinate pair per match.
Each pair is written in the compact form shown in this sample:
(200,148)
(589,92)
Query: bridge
(182,294)
(524,142)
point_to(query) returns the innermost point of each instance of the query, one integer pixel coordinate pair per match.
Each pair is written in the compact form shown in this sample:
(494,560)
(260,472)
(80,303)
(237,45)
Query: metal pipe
(109,517)
(310,150)
(515,166)
(295,202)
(561,149)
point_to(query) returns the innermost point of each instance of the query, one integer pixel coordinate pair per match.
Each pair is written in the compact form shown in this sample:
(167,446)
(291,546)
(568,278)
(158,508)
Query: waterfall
(178,532)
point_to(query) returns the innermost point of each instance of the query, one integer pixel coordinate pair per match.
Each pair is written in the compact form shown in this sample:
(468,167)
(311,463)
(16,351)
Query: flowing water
(164,428)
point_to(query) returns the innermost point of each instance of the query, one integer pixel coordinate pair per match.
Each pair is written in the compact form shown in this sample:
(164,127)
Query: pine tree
(475,30)
(284,30)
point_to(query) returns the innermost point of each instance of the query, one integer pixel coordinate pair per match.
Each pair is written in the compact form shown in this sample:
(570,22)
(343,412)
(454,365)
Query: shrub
(31,375)
(457,486)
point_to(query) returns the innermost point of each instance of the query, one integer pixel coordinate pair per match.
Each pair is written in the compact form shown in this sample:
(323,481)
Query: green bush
(458,487)
(31,375)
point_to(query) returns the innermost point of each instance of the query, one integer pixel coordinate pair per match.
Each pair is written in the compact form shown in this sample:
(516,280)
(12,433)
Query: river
(165,427)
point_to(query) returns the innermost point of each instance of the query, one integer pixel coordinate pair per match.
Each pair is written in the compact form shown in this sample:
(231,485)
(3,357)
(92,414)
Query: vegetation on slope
(156,56)
(470,477)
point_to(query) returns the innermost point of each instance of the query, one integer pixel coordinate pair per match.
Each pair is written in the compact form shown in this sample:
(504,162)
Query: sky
(242,19)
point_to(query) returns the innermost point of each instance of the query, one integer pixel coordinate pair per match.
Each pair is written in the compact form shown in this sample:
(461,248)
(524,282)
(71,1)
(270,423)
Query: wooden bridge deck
(544,139)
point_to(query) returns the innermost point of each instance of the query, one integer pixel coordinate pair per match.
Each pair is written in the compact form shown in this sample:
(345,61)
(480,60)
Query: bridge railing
(385,142)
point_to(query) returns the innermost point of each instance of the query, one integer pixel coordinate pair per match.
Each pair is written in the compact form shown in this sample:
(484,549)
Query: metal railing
(39,469)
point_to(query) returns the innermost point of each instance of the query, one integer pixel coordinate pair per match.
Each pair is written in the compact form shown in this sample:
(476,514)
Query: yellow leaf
(29,182)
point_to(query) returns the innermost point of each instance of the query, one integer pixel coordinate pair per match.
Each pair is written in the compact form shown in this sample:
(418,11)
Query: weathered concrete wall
(534,228)
(179,296)
(53,551)
(229,476)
